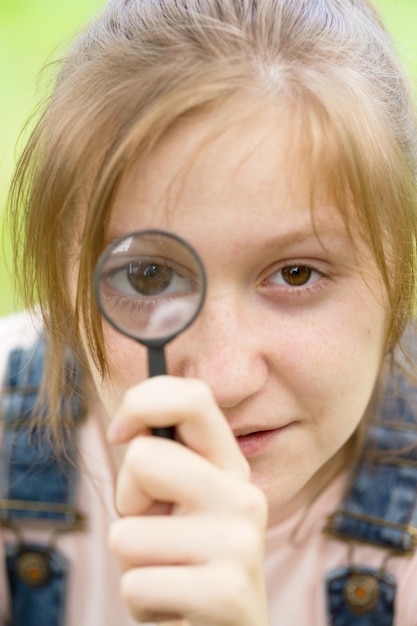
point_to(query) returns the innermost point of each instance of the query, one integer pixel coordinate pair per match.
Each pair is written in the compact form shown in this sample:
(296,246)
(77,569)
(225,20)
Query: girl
(278,138)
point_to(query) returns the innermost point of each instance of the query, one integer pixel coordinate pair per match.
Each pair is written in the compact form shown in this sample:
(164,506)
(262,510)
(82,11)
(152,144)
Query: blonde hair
(142,64)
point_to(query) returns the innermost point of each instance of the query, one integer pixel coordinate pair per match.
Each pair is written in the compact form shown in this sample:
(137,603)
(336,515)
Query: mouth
(255,442)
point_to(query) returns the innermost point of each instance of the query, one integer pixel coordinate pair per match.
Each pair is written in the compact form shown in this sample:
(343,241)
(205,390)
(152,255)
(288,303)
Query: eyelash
(297,291)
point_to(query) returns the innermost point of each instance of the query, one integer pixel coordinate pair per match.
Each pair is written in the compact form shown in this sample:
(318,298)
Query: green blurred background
(33,31)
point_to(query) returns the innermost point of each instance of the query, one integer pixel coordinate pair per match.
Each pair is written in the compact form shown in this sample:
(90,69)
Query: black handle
(157,367)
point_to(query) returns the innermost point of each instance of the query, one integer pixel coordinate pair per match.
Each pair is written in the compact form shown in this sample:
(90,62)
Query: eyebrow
(300,236)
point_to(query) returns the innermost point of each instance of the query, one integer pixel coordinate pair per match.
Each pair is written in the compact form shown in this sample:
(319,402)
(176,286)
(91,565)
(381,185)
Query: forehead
(240,169)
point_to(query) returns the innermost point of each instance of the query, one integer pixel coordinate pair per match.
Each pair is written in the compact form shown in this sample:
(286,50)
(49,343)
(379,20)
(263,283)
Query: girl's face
(293,331)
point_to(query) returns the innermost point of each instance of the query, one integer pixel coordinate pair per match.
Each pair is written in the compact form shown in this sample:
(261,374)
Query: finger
(187,404)
(142,593)
(188,540)
(160,470)
(202,594)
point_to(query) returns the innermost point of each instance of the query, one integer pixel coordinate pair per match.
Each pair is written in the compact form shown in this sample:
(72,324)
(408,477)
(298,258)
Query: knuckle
(130,397)
(246,545)
(132,596)
(254,505)
(252,545)
(138,456)
(139,465)
(198,392)
(232,590)
(244,468)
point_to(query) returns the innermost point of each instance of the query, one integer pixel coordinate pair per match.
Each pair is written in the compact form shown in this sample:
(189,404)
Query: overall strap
(379,508)
(38,489)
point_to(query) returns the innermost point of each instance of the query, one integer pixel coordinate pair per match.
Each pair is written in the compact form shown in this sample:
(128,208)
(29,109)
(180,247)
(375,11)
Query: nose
(223,348)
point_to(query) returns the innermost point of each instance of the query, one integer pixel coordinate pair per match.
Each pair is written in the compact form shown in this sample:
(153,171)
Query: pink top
(298,554)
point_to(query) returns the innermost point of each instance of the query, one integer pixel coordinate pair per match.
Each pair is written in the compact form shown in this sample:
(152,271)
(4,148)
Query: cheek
(352,330)
(337,359)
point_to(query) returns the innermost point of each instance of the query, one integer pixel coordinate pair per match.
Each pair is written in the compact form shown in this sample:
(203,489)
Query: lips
(256,442)
(253,433)
(247,431)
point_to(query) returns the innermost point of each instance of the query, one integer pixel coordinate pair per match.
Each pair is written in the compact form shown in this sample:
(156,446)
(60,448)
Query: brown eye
(149,278)
(296,275)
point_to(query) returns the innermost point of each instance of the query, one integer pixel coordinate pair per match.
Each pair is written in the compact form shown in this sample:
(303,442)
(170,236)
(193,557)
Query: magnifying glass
(150,285)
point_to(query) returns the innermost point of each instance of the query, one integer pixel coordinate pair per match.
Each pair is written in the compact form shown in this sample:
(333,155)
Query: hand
(204,561)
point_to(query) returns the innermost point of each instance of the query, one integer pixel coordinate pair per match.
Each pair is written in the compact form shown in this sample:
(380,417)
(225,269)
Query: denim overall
(37,491)
(380,505)
(379,508)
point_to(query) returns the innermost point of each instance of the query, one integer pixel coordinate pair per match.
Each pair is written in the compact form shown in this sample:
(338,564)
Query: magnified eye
(149,278)
(149,285)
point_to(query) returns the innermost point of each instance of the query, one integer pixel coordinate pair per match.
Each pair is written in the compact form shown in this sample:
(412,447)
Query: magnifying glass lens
(150,285)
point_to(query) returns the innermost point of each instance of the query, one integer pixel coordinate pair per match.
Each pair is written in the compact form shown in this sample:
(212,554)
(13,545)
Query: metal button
(33,568)
(361,593)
